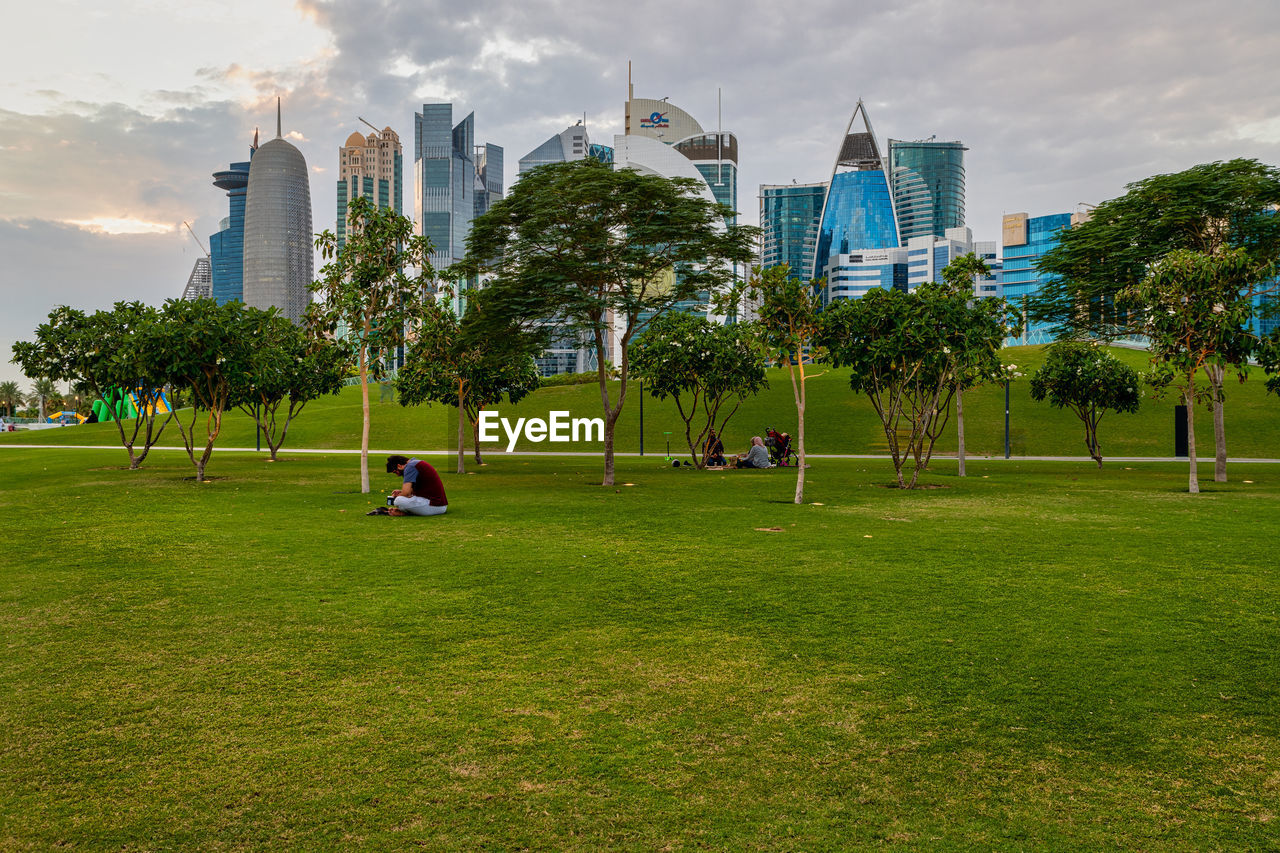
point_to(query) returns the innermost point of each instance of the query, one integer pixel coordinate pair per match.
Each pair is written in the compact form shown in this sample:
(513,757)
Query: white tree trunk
(960,429)
(364,428)
(1216,373)
(1194,480)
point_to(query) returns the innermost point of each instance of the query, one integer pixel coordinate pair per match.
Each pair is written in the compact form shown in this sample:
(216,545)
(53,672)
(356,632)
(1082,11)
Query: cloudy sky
(113,116)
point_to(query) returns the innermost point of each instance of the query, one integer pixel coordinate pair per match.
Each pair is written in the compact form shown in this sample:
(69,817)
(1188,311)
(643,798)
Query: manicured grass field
(1039,656)
(838,421)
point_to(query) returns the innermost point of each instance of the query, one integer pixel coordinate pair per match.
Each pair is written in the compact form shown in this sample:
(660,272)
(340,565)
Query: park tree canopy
(593,250)
(1207,208)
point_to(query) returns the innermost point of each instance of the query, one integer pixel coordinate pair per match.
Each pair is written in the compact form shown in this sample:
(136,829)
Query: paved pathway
(374,452)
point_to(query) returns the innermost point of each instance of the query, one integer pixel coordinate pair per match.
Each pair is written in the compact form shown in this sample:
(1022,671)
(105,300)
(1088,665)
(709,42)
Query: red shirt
(426,482)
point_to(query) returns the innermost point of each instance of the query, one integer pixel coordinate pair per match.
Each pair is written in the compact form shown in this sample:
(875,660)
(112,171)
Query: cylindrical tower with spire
(277,228)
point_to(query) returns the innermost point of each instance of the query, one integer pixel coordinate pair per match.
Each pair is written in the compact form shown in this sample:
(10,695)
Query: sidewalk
(1233,460)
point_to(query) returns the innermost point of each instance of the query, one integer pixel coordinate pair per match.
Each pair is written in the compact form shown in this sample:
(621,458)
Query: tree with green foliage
(704,367)
(905,351)
(208,352)
(1208,209)
(368,298)
(597,251)
(110,353)
(1268,354)
(790,324)
(10,396)
(1089,381)
(290,365)
(46,396)
(468,373)
(1194,306)
(959,277)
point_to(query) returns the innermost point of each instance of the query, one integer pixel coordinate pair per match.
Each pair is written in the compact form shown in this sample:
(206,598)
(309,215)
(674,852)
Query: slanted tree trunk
(1193,484)
(462,433)
(475,439)
(798,390)
(1216,374)
(960,429)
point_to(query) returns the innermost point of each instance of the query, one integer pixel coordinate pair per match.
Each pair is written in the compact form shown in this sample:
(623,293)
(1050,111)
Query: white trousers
(417,505)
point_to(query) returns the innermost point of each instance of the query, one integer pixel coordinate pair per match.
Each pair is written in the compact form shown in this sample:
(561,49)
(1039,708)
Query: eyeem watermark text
(559,427)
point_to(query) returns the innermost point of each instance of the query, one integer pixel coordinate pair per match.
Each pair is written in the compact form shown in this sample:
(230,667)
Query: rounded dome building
(278,257)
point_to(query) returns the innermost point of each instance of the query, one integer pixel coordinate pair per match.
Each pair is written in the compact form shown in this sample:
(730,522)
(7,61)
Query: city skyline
(1062,106)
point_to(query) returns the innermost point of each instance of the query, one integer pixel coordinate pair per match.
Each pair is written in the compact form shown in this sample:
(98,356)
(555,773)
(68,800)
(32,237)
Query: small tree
(596,251)
(703,367)
(369,297)
(109,353)
(789,328)
(209,353)
(958,277)
(288,365)
(443,366)
(906,351)
(1090,382)
(1194,307)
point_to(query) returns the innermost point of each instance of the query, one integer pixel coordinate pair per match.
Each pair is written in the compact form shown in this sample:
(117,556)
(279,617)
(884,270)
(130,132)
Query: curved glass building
(858,212)
(928,186)
(278,255)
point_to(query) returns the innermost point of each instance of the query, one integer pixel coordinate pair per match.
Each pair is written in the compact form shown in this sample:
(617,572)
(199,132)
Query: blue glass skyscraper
(858,212)
(789,216)
(1025,241)
(226,248)
(928,186)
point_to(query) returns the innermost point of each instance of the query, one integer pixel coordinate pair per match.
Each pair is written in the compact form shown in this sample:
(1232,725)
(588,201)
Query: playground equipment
(123,405)
(66,417)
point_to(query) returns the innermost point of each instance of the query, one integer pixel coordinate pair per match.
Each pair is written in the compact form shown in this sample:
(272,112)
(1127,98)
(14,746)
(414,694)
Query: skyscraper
(1025,240)
(571,143)
(858,211)
(277,229)
(447,180)
(928,186)
(373,167)
(790,215)
(226,248)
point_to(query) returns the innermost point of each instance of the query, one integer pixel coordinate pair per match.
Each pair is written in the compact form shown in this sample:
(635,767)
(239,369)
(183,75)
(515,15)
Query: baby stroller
(779,445)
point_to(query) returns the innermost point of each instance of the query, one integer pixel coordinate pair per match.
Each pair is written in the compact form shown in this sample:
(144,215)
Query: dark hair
(394,462)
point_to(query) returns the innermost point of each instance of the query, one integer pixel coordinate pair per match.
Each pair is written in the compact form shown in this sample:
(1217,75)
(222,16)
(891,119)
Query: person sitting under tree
(713,452)
(756,457)
(422,493)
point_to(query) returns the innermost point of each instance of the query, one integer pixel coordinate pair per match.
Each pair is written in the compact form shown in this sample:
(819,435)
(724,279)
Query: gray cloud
(1058,103)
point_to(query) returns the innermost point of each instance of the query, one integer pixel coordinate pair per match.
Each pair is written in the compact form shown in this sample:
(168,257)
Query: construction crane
(375,130)
(197,239)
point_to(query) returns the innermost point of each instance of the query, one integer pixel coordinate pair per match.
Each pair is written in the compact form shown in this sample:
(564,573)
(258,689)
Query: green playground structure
(123,405)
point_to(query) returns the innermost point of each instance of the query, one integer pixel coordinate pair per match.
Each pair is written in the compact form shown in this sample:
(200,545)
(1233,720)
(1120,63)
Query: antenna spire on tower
(278,124)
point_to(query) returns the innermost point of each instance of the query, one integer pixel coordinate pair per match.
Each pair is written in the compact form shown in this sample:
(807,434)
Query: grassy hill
(838,420)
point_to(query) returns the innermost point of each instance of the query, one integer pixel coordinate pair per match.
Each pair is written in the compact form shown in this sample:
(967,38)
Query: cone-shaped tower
(858,212)
(277,228)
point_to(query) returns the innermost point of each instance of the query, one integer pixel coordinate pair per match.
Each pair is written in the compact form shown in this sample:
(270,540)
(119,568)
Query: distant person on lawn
(422,492)
(756,457)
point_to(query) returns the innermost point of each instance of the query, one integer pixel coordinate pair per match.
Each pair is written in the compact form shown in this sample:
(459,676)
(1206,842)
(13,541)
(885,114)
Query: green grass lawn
(838,421)
(1038,656)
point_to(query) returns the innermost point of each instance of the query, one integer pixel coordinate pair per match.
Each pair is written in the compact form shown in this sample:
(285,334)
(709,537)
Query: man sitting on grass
(422,492)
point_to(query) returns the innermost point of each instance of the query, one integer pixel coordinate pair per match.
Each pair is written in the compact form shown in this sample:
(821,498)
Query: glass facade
(790,215)
(1021,279)
(858,214)
(928,186)
(226,247)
